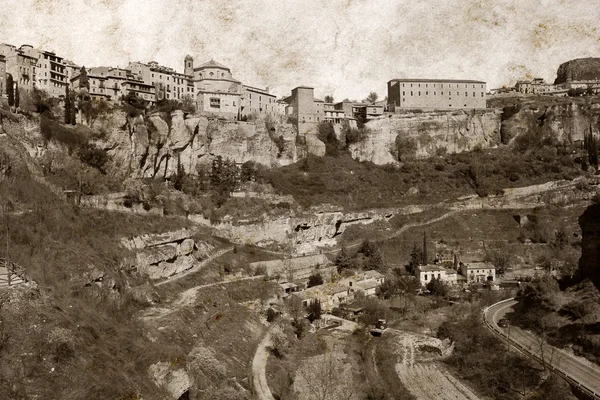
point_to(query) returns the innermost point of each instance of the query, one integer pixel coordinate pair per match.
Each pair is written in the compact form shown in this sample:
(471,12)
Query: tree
(314,310)
(437,287)
(84,81)
(372,97)
(501,259)
(342,261)
(10,90)
(416,256)
(67,106)
(425,255)
(315,280)
(329,99)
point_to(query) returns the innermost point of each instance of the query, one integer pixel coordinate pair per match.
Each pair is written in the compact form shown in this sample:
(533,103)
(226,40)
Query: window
(426,85)
(457,93)
(481,94)
(419,92)
(439,276)
(212,74)
(473,94)
(411,93)
(425,276)
(419,85)
(466,94)
(434,93)
(215,102)
(426,93)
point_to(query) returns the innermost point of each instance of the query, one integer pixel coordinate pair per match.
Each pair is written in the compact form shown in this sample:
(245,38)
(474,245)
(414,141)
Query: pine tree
(84,81)
(425,257)
(10,90)
(416,256)
(67,106)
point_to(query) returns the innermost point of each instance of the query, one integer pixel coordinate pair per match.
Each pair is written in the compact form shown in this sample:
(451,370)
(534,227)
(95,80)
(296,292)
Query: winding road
(577,371)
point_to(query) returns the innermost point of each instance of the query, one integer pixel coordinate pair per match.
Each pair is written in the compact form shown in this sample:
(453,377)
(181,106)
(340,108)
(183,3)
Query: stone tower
(189,65)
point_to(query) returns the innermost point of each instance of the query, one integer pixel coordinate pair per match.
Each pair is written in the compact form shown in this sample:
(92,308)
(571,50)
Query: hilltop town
(185,235)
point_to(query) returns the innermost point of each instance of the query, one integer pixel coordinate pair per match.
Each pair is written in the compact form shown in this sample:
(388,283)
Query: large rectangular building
(436,94)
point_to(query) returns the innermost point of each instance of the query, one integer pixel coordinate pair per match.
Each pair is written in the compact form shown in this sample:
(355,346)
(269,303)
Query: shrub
(94,157)
(315,280)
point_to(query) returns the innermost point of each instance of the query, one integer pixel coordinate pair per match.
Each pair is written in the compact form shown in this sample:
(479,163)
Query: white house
(425,273)
(478,271)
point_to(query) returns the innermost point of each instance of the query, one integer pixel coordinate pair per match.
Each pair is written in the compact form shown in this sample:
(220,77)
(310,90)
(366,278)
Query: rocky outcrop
(431,132)
(580,69)
(310,232)
(175,382)
(152,147)
(163,255)
(560,121)
(589,263)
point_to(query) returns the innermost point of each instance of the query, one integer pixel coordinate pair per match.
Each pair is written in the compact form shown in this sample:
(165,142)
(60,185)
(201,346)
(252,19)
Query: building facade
(478,272)
(436,94)
(426,273)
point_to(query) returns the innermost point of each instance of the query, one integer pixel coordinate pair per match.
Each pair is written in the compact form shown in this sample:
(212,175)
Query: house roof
(480,265)
(366,285)
(211,64)
(326,289)
(430,268)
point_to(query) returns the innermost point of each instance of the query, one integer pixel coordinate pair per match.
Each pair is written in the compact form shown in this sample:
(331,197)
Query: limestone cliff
(151,147)
(432,132)
(563,120)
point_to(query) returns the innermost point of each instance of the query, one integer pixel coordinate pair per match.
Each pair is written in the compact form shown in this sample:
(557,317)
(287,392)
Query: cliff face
(150,147)
(589,263)
(581,69)
(452,132)
(562,121)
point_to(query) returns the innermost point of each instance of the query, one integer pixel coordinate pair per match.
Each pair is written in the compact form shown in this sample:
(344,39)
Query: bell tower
(189,65)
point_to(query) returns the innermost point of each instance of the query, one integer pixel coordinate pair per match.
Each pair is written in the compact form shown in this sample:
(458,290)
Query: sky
(344,48)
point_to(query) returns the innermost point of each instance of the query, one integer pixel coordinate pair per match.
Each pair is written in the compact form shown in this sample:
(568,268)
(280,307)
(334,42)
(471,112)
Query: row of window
(441,93)
(441,85)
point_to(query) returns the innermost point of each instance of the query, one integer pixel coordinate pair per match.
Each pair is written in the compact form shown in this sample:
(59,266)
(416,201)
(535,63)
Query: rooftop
(480,265)
(211,64)
(437,80)
(430,268)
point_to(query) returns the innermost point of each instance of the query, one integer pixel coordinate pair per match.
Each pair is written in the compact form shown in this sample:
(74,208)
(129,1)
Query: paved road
(576,369)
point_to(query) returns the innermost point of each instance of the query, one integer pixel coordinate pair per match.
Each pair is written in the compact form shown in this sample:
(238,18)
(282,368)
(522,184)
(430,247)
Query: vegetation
(484,361)
(367,257)
(315,280)
(10,90)
(345,182)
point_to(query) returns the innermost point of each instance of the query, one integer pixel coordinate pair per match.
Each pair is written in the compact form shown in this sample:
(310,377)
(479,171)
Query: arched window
(211,74)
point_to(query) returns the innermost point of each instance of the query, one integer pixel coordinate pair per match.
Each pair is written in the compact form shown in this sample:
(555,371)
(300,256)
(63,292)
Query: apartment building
(436,94)
(255,101)
(20,65)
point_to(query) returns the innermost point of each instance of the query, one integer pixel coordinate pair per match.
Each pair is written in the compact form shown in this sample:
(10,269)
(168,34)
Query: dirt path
(188,297)
(426,380)
(196,267)
(259,370)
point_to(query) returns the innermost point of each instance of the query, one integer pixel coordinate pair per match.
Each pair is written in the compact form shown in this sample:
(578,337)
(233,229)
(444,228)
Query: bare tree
(326,377)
